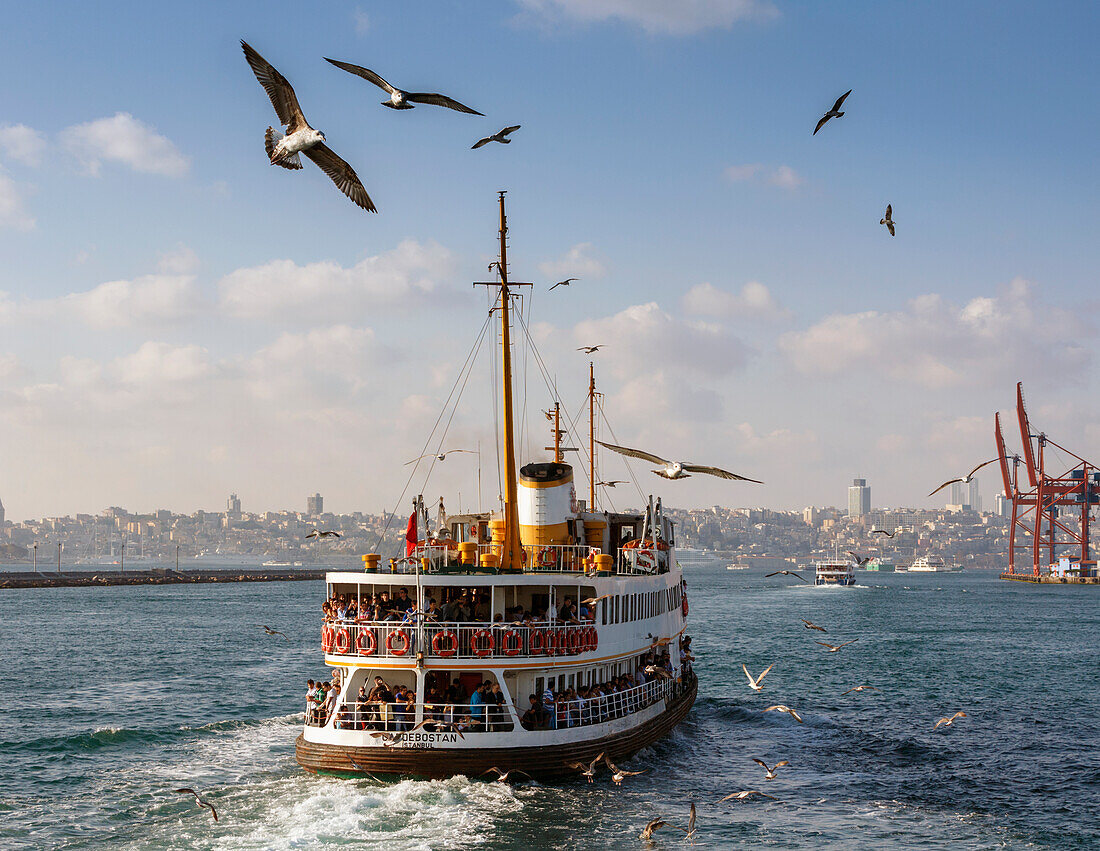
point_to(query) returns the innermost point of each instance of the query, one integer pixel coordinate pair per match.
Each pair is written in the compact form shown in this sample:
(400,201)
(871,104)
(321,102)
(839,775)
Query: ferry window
(615,617)
(540,686)
(603,612)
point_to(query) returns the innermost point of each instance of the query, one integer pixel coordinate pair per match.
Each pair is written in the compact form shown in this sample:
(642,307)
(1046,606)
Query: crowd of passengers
(450,706)
(464,606)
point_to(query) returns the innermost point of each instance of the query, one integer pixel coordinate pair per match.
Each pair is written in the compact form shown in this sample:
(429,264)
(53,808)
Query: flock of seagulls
(285,148)
(675,469)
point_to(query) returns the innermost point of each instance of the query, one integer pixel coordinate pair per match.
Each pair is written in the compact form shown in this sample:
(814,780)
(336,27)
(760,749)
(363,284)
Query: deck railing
(430,559)
(443,640)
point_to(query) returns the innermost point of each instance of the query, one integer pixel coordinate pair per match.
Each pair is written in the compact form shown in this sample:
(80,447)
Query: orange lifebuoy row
(566,640)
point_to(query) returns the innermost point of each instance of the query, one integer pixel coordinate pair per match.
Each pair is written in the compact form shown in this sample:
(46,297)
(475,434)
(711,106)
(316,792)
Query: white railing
(397,718)
(552,558)
(579,712)
(442,640)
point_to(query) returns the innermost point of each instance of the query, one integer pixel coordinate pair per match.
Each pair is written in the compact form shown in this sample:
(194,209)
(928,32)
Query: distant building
(859,498)
(959,497)
(1002,505)
(973,496)
(1,512)
(315,505)
(233,504)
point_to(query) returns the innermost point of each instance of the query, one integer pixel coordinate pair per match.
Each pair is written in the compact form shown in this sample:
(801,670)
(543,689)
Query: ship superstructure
(531,637)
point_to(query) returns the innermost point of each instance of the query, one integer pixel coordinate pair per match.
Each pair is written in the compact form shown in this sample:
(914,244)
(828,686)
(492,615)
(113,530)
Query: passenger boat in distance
(834,572)
(535,638)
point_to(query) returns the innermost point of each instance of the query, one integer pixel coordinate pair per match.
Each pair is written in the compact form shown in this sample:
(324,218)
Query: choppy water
(113,696)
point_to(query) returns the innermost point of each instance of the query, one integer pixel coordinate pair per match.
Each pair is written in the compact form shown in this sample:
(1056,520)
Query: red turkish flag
(411,539)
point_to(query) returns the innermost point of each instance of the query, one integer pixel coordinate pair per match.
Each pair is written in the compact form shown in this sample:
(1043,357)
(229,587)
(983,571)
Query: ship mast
(591,437)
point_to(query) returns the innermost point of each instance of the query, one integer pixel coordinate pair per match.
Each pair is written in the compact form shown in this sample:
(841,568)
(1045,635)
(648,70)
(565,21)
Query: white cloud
(935,343)
(126,140)
(127,304)
(577,262)
(635,336)
(13,213)
(754,300)
(160,363)
(181,260)
(22,143)
(326,291)
(671,17)
(782,176)
(362,21)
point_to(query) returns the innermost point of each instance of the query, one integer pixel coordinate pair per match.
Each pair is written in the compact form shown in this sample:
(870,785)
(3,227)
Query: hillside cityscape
(960,532)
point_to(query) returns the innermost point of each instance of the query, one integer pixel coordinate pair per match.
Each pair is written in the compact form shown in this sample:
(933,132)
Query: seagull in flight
(770,772)
(617,774)
(651,826)
(300,138)
(675,469)
(786,573)
(858,560)
(323,533)
(611,484)
(496,137)
(859,688)
(947,722)
(504,775)
(812,625)
(440,457)
(832,113)
(690,832)
(199,800)
(271,631)
(754,684)
(589,770)
(779,707)
(834,648)
(965,479)
(888,219)
(745,795)
(591,601)
(883,531)
(587,349)
(398,98)
(566,283)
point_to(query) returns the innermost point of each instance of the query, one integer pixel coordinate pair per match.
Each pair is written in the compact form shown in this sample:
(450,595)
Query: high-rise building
(859,498)
(1,512)
(973,496)
(959,496)
(233,504)
(315,505)
(1002,505)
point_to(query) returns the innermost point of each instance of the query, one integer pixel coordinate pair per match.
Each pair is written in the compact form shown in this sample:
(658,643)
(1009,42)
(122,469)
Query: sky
(179,320)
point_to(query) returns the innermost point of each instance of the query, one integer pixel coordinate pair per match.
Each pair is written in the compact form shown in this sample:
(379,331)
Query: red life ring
(593,639)
(538,642)
(365,641)
(342,642)
(405,642)
(511,643)
(482,650)
(546,557)
(326,638)
(452,644)
(685,607)
(562,640)
(575,640)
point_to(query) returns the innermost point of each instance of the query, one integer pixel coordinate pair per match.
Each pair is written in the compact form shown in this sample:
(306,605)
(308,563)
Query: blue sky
(258,333)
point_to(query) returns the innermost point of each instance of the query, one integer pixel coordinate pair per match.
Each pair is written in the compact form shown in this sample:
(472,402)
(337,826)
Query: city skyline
(161,346)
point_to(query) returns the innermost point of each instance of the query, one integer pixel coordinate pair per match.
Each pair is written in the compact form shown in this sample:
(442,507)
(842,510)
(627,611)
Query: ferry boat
(932,564)
(536,637)
(834,572)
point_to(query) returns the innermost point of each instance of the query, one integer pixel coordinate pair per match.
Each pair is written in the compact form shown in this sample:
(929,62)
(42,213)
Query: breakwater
(1049,579)
(153,576)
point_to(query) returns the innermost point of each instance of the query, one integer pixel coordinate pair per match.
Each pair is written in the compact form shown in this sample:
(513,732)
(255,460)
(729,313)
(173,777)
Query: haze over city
(167,337)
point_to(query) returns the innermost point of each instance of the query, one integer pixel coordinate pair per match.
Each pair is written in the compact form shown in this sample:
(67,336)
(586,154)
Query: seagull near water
(835,648)
(947,722)
(746,795)
(566,283)
(779,707)
(300,138)
(675,469)
(965,479)
(502,776)
(888,219)
(859,688)
(323,533)
(500,136)
(812,625)
(754,684)
(770,772)
(271,631)
(651,826)
(832,113)
(400,99)
(588,771)
(199,800)
(617,774)
(440,457)
(786,573)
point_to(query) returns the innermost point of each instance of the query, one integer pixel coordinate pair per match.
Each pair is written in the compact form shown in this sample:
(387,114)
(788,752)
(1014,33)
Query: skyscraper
(233,504)
(1002,505)
(1,512)
(973,496)
(859,498)
(315,505)
(959,495)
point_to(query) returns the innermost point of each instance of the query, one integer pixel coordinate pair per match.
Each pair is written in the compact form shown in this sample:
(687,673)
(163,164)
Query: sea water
(115,696)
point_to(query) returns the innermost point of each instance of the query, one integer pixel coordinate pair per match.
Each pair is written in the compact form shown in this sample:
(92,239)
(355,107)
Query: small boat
(737,567)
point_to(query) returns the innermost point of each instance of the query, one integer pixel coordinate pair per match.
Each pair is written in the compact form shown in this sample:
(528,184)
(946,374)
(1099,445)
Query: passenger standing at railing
(403,601)
(433,613)
(477,704)
(497,713)
(550,709)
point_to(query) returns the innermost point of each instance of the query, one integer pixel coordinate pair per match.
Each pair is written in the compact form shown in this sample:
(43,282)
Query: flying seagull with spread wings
(812,625)
(590,349)
(832,113)
(323,533)
(947,722)
(442,456)
(965,479)
(883,531)
(770,772)
(779,707)
(859,560)
(199,800)
(793,573)
(588,771)
(500,136)
(400,99)
(271,631)
(610,484)
(888,219)
(754,682)
(675,469)
(835,648)
(300,138)
(566,283)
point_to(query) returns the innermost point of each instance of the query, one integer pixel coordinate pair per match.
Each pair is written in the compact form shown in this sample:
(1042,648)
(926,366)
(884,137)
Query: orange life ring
(483,650)
(437,644)
(365,642)
(405,642)
(342,641)
(538,642)
(546,557)
(511,643)
(593,639)
(562,640)
(574,639)
(326,637)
